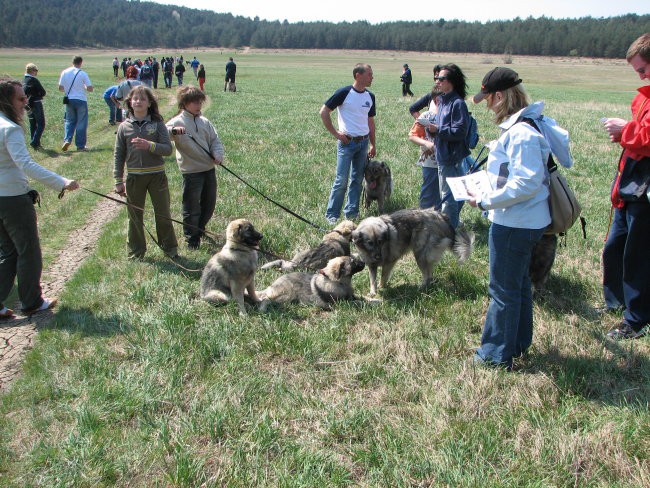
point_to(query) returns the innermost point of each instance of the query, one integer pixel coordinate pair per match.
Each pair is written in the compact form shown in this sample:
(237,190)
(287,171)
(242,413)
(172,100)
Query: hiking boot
(625,331)
(65,146)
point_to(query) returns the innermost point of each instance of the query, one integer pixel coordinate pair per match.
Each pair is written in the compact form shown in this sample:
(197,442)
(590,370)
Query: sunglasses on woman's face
(439,78)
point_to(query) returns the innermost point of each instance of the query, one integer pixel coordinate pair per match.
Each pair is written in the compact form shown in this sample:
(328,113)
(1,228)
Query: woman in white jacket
(20,251)
(518,208)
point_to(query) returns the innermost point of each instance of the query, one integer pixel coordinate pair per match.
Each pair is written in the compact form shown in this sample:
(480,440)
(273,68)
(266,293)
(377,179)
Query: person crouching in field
(141,143)
(198,150)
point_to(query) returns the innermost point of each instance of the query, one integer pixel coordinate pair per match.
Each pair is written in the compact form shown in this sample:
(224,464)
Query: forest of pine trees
(123,23)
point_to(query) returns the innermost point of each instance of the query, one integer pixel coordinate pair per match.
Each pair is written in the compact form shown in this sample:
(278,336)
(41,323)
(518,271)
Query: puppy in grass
(331,284)
(231,271)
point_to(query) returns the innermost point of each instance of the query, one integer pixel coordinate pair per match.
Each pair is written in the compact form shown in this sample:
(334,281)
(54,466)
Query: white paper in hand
(463,187)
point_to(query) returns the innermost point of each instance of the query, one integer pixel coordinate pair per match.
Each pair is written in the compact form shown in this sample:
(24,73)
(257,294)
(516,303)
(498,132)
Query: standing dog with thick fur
(377,184)
(331,284)
(335,243)
(232,270)
(382,240)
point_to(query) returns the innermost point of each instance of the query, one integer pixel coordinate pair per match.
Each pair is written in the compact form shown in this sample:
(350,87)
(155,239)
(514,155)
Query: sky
(390,10)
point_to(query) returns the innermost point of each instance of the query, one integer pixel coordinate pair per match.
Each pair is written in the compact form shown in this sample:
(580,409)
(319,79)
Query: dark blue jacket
(453,122)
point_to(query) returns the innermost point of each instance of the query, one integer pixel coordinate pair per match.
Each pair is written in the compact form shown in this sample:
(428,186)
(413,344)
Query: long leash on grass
(210,235)
(289,211)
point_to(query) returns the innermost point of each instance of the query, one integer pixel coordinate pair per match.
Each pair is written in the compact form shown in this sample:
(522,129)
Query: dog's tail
(280,264)
(463,243)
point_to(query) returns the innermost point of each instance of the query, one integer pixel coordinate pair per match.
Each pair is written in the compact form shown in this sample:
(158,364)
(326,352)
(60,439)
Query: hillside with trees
(136,24)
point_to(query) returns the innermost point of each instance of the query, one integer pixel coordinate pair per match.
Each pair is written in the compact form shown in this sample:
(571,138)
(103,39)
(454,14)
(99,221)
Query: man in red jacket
(626,260)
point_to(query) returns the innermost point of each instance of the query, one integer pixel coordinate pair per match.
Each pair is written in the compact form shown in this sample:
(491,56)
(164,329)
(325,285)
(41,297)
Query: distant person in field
(155,66)
(114,111)
(201,76)
(179,71)
(146,73)
(406,79)
(20,250)
(195,66)
(141,143)
(355,140)
(231,71)
(198,151)
(626,261)
(74,83)
(124,65)
(35,93)
(116,67)
(124,88)
(168,70)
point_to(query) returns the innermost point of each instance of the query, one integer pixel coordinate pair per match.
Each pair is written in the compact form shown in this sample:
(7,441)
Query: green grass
(139,383)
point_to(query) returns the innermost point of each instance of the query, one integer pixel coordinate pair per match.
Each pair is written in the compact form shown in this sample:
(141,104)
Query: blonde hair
(514,99)
(30,67)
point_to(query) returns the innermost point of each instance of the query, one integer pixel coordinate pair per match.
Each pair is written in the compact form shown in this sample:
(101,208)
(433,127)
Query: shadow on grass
(562,295)
(85,322)
(621,381)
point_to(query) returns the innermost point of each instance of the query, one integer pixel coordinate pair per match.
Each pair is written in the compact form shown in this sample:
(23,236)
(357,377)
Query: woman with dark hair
(450,133)
(20,250)
(142,141)
(519,212)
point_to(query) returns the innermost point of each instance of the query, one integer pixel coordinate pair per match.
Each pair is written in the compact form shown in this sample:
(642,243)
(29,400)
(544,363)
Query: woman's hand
(72,186)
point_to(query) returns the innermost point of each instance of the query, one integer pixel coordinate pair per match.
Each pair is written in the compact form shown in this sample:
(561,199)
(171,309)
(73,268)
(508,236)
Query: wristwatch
(478,204)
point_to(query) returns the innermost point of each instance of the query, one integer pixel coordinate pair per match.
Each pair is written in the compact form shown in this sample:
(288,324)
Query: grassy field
(139,383)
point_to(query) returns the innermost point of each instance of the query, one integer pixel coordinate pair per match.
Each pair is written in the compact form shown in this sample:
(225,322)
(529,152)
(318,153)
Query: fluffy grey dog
(232,270)
(335,243)
(377,184)
(382,240)
(331,284)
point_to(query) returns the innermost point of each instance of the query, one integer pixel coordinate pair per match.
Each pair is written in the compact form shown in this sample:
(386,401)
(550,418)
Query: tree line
(136,24)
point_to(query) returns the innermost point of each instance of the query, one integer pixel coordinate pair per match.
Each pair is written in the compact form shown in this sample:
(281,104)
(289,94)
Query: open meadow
(137,383)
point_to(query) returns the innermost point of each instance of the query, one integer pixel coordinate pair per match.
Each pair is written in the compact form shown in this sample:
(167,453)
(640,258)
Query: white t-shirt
(78,89)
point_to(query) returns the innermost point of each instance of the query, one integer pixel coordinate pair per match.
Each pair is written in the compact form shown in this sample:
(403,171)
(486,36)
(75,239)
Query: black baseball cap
(498,79)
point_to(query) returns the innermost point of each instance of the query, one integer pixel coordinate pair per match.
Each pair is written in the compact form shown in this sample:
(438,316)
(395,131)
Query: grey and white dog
(232,270)
(382,240)
(331,284)
(335,243)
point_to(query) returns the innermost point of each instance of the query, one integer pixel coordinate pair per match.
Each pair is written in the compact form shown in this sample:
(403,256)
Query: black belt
(358,138)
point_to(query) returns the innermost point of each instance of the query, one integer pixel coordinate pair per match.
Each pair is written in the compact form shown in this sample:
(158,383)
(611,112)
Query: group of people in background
(516,205)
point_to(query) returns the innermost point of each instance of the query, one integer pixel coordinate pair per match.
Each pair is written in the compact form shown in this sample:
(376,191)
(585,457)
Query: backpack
(563,204)
(471,139)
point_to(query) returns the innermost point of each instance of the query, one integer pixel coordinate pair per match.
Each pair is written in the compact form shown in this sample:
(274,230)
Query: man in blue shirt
(355,140)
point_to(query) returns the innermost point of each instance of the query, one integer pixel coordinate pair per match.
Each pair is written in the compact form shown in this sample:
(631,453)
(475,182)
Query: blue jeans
(352,155)
(199,200)
(36,123)
(430,191)
(168,79)
(180,79)
(114,113)
(626,264)
(450,207)
(76,122)
(508,329)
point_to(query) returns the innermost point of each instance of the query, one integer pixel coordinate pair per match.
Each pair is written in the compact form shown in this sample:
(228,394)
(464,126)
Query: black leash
(291,212)
(214,238)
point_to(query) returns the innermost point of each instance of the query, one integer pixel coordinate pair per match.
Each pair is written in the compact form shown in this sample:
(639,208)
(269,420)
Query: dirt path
(17,335)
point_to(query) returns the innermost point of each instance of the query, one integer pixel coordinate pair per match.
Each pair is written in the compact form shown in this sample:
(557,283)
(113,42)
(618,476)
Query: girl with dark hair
(20,250)
(141,143)
(450,133)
